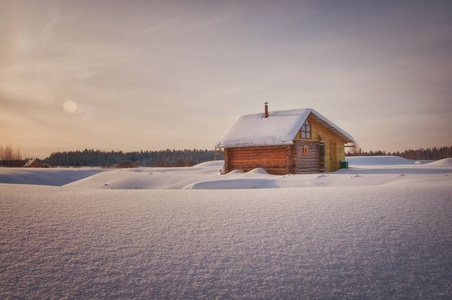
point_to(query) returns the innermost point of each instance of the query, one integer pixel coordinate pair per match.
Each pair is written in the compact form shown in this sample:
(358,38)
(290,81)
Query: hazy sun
(70,106)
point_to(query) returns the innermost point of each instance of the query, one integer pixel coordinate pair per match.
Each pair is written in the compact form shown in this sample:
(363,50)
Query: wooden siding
(307,162)
(278,160)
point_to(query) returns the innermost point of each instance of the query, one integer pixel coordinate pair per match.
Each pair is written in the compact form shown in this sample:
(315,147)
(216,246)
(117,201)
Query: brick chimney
(266,110)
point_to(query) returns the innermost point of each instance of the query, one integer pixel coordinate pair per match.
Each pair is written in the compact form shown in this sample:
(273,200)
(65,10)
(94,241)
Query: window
(306,130)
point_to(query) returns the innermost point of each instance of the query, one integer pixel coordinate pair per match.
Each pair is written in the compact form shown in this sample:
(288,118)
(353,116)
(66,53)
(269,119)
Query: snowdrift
(363,171)
(442,163)
(361,233)
(52,176)
(379,160)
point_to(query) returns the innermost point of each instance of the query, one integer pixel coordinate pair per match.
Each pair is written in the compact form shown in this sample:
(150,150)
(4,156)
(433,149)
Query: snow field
(372,236)
(370,242)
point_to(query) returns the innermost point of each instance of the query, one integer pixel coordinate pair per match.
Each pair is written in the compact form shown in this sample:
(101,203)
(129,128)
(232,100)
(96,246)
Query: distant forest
(420,154)
(173,158)
(164,158)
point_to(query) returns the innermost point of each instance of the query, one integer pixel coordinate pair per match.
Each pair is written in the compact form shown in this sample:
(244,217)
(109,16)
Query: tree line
(163,158)
(419,154)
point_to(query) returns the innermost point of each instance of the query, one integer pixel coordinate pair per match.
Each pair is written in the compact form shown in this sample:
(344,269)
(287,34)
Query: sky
(154,75)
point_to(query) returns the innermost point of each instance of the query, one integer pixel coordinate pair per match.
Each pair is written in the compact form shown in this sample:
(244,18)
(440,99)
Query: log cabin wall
(307,157)
(278,160)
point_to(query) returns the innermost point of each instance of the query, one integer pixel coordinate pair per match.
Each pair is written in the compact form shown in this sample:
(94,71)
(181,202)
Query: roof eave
(332,127)
(244,145)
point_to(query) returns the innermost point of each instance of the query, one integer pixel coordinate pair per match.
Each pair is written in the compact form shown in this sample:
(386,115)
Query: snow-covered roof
(280,128)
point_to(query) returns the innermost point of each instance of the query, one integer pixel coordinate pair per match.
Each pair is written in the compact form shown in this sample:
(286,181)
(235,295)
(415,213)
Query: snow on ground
(38,176)
(363,171)
(369,232)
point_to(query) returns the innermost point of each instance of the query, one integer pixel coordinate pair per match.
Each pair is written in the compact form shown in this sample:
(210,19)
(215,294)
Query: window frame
(306,130)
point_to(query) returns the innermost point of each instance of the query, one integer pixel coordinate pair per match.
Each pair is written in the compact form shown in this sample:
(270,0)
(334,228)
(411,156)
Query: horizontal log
(257,150)
(253,153)
(308,166)
(313,151)
(308,161)
(258,161)
(259,156)
(307,158)
(315,165)
(300,157)
(263,148)
(301,151)
(254,156)
(262,157)
(251,167)
(313,146)
(300,142)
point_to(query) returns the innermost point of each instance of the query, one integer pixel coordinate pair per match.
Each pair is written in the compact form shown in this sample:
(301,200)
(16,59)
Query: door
(307,157)
(333,157)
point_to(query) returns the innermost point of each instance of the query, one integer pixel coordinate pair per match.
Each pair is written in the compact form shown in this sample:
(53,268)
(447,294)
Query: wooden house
(32,163)
(284,142)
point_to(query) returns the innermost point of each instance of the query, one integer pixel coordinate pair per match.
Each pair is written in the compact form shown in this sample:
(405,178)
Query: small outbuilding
(284,142)
(32,163)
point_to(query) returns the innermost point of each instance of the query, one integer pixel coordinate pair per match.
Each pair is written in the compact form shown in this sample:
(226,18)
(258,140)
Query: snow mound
(258,171)
(442,163)
(149,178)
(378,160)
(235,172)
(236,184)
(214,163)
